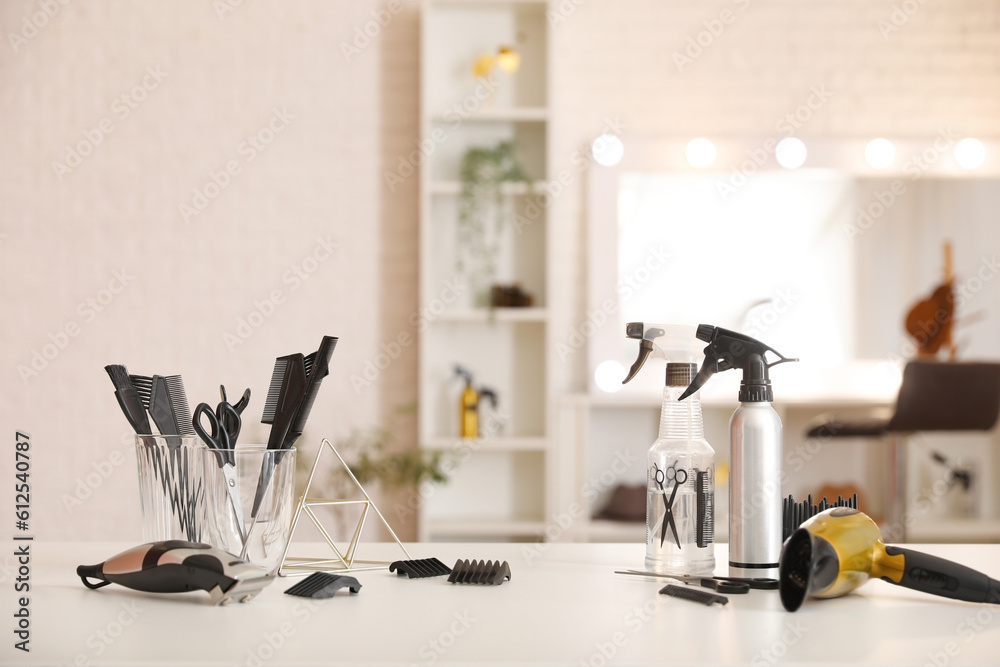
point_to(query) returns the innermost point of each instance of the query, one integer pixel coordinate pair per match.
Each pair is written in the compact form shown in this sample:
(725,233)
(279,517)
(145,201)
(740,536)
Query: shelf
(504,444)
(509,189)
(489,528)
(485,315)
(508,115)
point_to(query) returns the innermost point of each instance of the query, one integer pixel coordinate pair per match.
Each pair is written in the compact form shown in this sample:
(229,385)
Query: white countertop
(564,605)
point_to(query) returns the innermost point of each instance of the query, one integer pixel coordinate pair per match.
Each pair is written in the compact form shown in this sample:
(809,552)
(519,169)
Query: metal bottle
(755,451)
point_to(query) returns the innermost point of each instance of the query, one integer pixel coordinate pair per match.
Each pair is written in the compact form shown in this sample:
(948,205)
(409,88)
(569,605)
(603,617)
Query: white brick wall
(192,282)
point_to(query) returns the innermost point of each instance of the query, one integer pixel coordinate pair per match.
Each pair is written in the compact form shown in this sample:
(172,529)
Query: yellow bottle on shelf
(468,406)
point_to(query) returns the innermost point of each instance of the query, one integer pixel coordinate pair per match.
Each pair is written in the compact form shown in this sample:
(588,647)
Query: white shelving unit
(499,491)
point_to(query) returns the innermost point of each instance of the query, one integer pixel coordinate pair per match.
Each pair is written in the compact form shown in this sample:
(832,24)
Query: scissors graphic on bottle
(678,477)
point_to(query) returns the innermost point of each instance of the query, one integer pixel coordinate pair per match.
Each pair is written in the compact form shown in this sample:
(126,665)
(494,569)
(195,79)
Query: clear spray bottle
(680,465)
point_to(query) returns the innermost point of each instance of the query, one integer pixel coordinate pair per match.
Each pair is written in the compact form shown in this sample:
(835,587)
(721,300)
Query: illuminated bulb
(508,59)
(880,153)
(609,375)
(607,150)
(970,153)
(700,153)
(790,153)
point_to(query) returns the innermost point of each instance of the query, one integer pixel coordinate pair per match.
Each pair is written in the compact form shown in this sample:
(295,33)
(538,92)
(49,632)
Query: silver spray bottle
(755,451)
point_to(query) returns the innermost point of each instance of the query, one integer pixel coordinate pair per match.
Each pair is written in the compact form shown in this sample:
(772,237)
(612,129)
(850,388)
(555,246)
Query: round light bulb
(970,153)
(700,153)
(880,153)
(607,150)
(609,375)
(790,153)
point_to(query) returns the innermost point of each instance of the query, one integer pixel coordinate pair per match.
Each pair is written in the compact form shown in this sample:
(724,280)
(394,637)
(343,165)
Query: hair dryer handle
(937,576)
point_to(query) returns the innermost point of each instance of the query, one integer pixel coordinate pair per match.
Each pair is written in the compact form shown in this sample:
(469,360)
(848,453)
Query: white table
(564,606)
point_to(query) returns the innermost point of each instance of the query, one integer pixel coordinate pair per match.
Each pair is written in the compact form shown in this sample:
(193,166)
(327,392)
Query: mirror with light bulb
(819,248)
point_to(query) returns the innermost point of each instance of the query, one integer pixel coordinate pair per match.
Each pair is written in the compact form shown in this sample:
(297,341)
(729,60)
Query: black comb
(129,399)
(421,568)
(166,401)
(491,573)
(323,585)
(693,594)
(317,367)
(705,508)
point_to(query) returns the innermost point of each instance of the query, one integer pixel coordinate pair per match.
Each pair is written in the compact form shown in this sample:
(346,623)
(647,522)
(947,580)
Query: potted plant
(482,210)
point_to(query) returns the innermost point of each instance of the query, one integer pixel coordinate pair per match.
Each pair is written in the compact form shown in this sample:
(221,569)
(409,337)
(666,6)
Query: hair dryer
(837,550)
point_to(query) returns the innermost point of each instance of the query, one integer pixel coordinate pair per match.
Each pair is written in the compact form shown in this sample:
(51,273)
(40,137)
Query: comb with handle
(166,401)
(288,383)
(128,398)
(317,367)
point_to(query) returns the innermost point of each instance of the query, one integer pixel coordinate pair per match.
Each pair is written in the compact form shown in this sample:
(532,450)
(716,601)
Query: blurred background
(200,186)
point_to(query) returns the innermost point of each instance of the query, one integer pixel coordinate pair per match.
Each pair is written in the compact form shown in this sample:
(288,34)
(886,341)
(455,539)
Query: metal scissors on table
(730,585)
(678,477)
(225,423)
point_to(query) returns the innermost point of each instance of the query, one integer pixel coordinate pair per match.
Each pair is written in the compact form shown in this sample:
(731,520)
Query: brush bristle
(118,375)
(274,391)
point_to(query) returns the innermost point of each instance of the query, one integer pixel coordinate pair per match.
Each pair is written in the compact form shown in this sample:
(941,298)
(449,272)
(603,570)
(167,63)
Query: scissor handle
(217,439)
(659,476)
(762,584)
(229,419)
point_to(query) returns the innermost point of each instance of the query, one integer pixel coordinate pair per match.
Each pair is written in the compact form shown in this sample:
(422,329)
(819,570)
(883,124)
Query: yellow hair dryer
(836,551)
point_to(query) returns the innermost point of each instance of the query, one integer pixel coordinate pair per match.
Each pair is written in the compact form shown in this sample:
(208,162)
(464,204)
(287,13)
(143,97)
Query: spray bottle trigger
(645,348)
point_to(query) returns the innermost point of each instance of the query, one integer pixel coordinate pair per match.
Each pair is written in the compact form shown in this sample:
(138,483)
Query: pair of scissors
(678,477)
(730,585)
(225,423)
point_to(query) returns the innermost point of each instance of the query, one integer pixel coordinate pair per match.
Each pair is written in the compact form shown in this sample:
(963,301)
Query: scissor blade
(233,487)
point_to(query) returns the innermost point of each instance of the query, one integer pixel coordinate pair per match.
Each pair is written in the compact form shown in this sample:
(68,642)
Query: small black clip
(420,568)
(323,585)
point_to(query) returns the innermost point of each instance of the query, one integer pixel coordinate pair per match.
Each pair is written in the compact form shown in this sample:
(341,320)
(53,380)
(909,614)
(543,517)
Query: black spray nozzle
(729,349)
(490,395)
(464,373)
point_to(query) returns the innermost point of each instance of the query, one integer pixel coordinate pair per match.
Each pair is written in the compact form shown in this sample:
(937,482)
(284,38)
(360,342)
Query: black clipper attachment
(491,573)
(420,568)
(323,585)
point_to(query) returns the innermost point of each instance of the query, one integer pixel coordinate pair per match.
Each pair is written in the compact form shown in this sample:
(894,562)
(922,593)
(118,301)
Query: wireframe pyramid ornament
(342,560)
